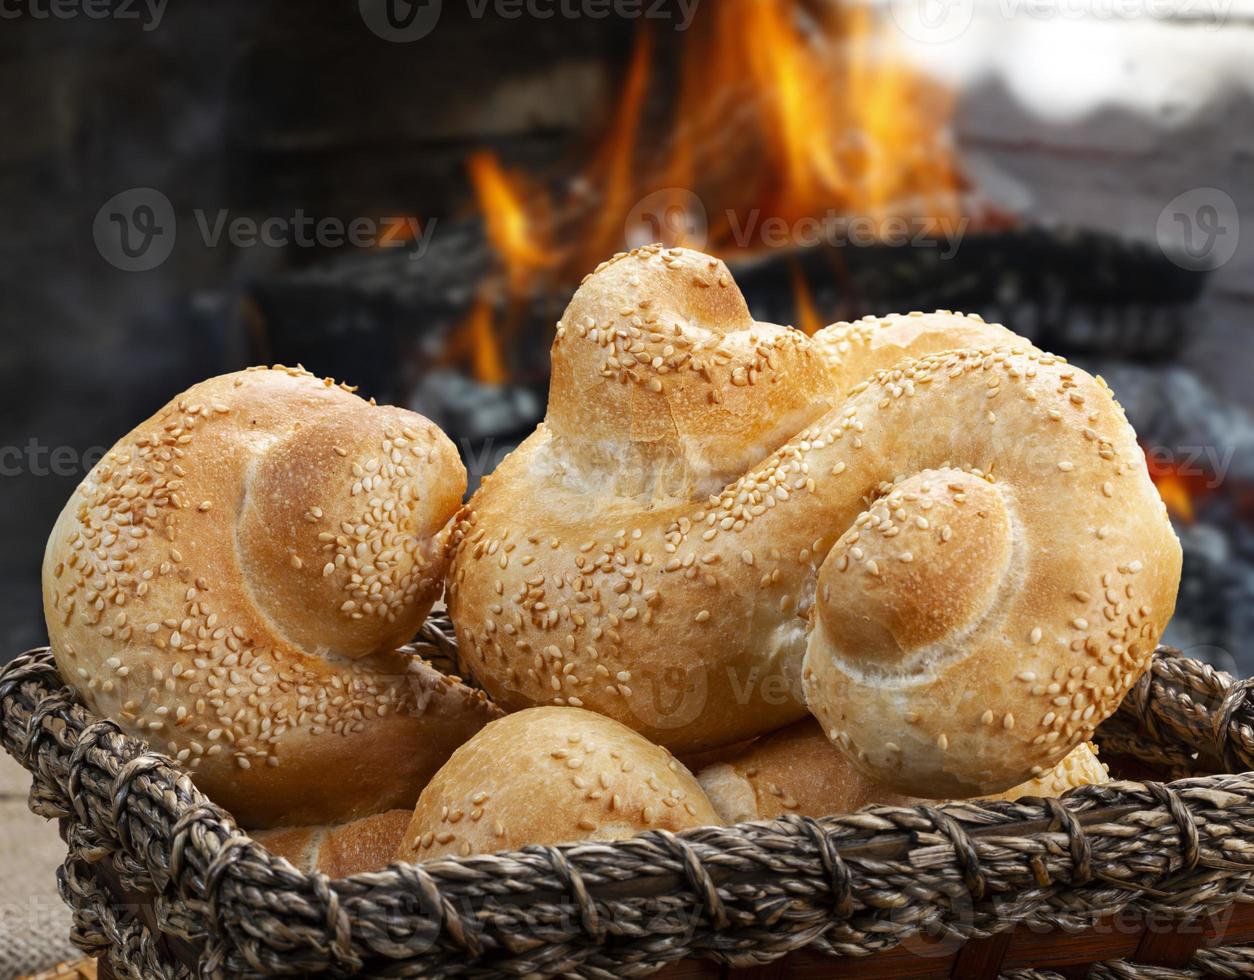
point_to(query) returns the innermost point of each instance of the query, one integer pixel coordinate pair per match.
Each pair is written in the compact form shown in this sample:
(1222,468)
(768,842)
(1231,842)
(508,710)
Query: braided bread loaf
(230,583)
(973,532)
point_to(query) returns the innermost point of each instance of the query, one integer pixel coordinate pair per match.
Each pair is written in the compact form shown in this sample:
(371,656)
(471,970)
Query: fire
(808,319)
(1180,485)
(509,229)
(784,111)
(1175,494)
(476,347)
(488,366)
(799,122)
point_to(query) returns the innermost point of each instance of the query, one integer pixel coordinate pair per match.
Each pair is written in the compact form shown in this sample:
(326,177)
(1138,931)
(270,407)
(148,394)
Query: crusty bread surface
(339,850)
(797,770)
(551,775)
(921,527)
(230,582)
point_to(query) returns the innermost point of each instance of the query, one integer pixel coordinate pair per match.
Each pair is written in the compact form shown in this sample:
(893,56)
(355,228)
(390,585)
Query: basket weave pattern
(165,885)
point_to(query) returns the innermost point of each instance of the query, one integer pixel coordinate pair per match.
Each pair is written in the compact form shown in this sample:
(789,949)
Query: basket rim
(1035,856)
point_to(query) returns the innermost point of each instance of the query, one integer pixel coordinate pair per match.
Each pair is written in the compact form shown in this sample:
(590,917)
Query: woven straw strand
(850,885)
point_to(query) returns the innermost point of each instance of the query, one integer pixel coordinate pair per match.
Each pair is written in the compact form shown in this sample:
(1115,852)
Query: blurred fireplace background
(1078,171)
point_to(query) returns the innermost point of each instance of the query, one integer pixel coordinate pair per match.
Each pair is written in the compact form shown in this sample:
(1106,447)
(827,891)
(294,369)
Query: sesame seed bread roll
(856,351)
(1080,767)
(626,558)
(230,582)
(792,770)
(339,850)
(1005,586)
(797,770)
(549,776)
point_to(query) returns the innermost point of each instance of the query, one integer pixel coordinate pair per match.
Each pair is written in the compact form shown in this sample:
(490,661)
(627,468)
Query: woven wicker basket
(1127,879)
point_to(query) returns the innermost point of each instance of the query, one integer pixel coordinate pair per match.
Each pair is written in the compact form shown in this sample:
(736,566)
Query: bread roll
(653,551)
(793,770)
(639,555)
(797,770)
(1006,585)
(856,351)
(548,776)
(339,850)
(1080,767)
(229,583)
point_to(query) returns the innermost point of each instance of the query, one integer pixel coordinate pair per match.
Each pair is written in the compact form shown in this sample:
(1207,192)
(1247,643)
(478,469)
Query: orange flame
(512,233)
(1175,494)
(773,119)
(795,122)
(808,319)
(1180,485)
(476,346)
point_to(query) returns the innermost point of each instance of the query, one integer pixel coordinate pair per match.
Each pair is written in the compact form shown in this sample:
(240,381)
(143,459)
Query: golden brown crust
(665,386)
(1006,586)
(797,770)
(339,850)
(1080,767)
(793,770)
(228,583)
(627,558)
(547,776)
(856,351)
